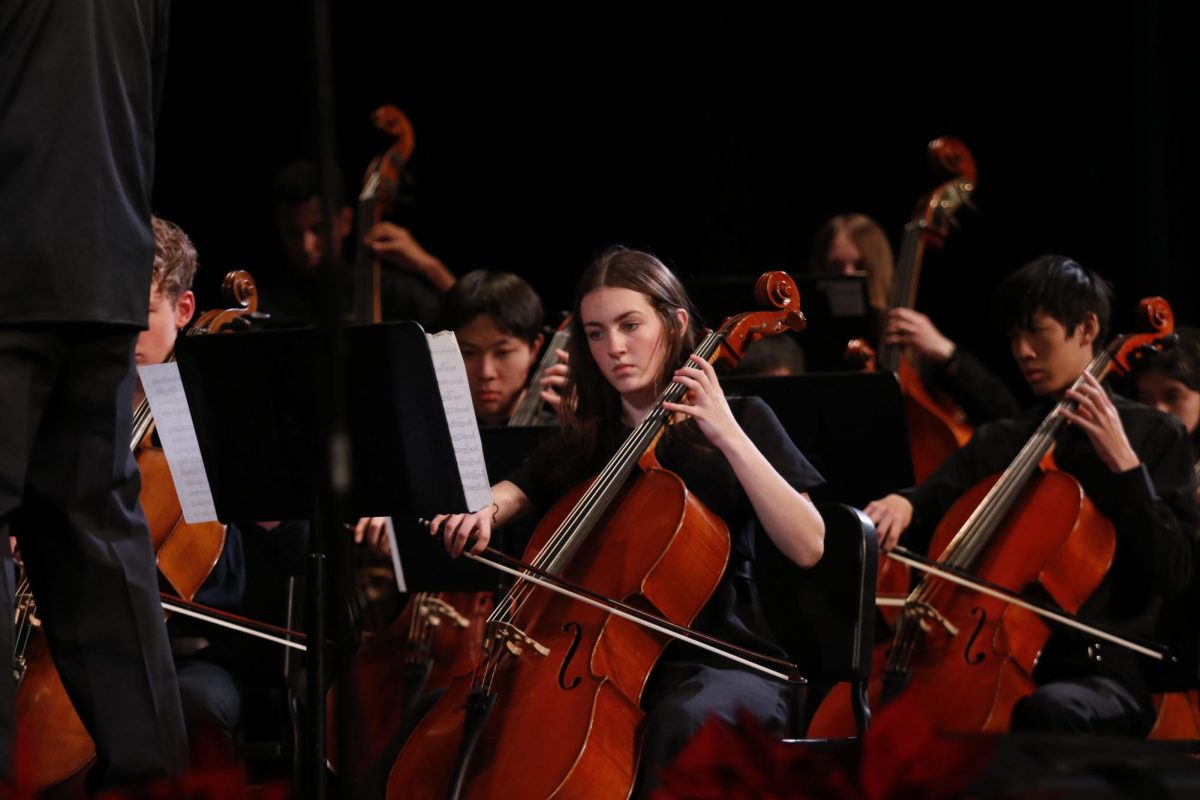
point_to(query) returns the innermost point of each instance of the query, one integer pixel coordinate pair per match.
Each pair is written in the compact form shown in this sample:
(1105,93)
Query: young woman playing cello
(633,327)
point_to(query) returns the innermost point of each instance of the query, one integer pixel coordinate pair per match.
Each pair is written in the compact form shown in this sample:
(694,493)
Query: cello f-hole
(980,656)
(562,673)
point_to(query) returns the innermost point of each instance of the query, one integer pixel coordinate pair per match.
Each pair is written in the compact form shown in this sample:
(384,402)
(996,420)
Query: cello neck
(904,287)
(531,400)
(143,416)
(367,304)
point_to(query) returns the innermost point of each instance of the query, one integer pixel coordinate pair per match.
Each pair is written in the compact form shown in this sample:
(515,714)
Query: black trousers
(69,493)
(682,696)
(1087,705)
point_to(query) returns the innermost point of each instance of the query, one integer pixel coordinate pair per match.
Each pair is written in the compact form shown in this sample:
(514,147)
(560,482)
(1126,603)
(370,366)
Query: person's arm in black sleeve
(761,424)
(1153,510)
(981,394)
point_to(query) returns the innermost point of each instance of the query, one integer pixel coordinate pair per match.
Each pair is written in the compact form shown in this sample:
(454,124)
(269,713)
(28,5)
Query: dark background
(719,139)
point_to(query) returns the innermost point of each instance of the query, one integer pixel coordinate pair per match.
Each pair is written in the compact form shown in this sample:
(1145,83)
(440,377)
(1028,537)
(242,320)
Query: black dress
(690,684)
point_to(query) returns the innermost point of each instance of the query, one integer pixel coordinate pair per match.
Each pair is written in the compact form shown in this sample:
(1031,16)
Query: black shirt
(1152,508)
(79,86)
(733,612)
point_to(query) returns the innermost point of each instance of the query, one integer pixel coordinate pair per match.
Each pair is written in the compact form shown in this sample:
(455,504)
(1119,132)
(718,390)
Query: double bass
(634,531)
(373,604)
(436,633)
(936,425)
(967,657)
(379,194)
(52,746)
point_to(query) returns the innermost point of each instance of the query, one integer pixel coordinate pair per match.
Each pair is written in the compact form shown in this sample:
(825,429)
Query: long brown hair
(878,261)
(594,405)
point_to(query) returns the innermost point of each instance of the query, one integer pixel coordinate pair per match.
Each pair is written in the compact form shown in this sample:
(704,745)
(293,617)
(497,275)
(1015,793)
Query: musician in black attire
(855,244)
(632,326)
(497,319)
(79,85)
(1134,464)
(411,281)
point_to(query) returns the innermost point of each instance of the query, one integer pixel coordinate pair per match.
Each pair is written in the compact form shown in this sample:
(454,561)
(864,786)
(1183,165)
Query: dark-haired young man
(1134,464)
(410,289)
(497,319)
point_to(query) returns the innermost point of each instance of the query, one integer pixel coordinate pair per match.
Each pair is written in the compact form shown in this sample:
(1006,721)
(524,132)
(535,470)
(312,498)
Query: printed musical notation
(173,418)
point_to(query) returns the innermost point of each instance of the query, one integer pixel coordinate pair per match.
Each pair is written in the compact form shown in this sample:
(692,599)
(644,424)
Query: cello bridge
(515,640)
(435,610)
(925,614)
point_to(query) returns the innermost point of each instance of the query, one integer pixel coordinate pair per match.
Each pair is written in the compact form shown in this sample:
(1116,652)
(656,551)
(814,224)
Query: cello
(628,533)
(967,657)
(52,746)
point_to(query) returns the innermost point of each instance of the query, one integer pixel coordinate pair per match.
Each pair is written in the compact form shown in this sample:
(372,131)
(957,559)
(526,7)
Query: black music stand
(253,402)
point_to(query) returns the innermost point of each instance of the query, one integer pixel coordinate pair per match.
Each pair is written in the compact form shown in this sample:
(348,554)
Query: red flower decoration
(901,757)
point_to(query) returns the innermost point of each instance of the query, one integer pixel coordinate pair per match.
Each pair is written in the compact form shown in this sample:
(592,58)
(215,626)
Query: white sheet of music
(173,418)
(460,417)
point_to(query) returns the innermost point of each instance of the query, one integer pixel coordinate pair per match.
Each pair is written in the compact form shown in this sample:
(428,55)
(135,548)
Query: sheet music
(173,418)
(460,418)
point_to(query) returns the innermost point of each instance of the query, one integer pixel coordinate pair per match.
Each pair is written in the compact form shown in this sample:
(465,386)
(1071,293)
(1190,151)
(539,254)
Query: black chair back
(824,616)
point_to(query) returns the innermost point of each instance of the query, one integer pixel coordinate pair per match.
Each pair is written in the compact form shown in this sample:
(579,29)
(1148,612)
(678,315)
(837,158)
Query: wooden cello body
(577,705)
(553,709)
